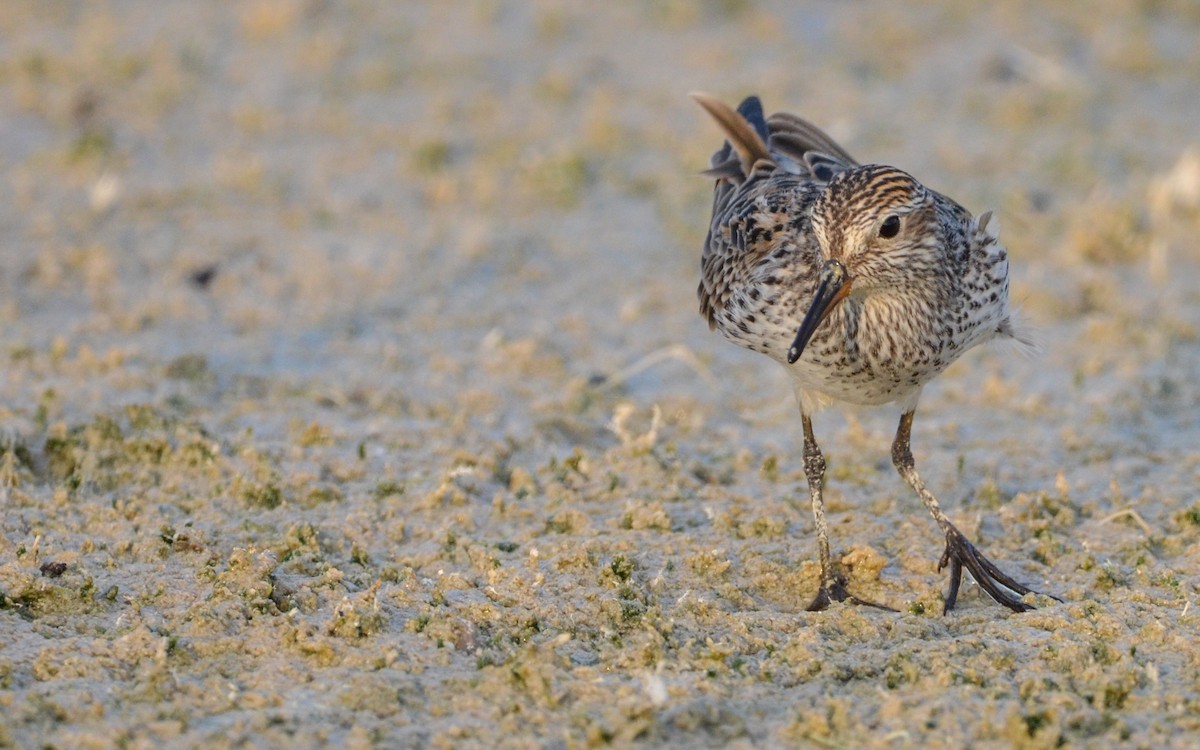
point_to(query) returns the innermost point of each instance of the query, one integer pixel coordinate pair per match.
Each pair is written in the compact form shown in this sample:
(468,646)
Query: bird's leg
(959,553)
(833,586)
(814,469)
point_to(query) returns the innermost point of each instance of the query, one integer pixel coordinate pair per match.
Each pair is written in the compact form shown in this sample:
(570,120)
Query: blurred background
(430,186)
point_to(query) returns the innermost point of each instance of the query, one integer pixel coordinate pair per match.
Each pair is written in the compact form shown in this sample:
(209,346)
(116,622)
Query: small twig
(822,742)
(674,351)
(1131,513)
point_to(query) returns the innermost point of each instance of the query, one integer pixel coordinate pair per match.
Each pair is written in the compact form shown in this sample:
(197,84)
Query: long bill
(833,284)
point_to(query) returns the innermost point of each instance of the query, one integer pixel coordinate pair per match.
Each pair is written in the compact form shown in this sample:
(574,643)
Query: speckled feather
(788,198)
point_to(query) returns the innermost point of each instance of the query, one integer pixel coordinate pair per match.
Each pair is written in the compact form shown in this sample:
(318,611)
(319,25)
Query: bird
(864,284)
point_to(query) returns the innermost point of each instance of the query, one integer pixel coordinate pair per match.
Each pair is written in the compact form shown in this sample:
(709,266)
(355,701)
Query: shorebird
(862,282)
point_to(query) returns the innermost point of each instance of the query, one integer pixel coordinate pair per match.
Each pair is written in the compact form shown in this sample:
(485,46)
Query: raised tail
(781,142)
(745,133)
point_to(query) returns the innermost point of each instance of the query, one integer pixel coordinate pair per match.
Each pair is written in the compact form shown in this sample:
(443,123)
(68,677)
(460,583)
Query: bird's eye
(890,227)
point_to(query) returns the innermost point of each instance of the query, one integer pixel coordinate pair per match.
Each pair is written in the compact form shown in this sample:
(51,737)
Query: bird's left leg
(959,552)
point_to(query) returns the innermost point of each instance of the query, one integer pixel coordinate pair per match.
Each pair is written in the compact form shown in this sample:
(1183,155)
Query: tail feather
(752,111)
(797,136)
(741,134)
(781,141)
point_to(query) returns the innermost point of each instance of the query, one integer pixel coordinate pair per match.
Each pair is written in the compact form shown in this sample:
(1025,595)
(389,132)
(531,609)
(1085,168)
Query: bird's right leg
(832,588)
(833,585)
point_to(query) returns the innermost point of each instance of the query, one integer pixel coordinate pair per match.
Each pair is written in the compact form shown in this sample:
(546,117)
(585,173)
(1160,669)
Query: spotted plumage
(861,281)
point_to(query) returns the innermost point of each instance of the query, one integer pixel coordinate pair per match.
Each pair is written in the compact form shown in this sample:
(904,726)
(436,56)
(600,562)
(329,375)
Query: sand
(353,391)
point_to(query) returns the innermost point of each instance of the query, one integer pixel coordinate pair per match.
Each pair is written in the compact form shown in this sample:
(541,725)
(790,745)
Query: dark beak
(832,287)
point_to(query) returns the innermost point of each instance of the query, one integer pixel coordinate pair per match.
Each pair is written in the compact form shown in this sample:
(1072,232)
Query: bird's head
(876,227)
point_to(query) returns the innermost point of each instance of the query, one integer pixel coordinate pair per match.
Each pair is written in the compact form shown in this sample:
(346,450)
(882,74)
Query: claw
(955,582)
(836,591)
(960,554)
(821,601)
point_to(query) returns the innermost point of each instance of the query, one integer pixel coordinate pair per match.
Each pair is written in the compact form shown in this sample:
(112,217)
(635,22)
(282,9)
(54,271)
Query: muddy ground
(353,391)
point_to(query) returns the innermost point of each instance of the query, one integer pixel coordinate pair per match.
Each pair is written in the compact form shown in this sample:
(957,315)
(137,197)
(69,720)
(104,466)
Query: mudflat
(353,391)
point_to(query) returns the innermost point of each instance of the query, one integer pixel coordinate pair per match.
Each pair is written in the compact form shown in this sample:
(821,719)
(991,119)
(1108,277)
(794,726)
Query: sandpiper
(862,282)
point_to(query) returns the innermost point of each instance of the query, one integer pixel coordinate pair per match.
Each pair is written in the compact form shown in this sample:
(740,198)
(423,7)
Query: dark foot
(835,591)
(960,554)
